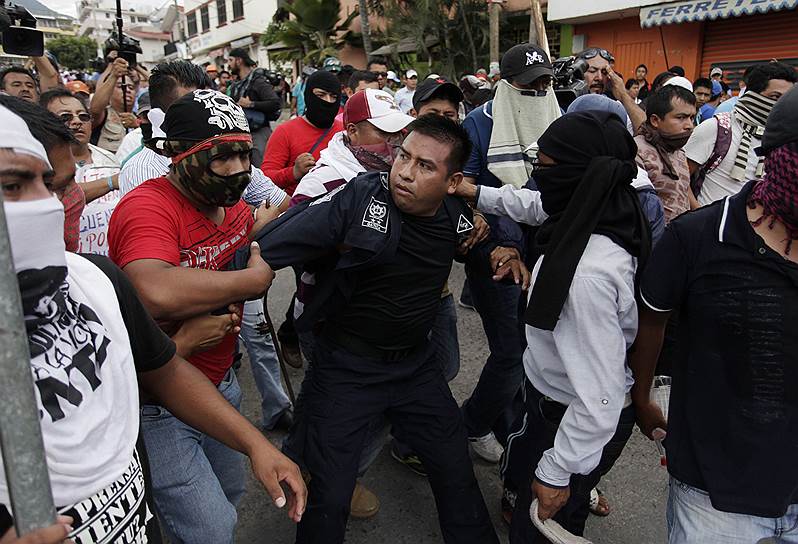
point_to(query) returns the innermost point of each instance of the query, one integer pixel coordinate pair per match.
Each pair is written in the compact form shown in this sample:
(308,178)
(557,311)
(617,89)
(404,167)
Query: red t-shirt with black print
(155,221)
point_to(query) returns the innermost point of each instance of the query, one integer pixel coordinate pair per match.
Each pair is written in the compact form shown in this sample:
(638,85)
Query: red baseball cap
(378,108)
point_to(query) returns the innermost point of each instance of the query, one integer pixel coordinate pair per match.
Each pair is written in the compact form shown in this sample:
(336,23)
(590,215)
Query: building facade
(214,27)
(695,34)
(97,19)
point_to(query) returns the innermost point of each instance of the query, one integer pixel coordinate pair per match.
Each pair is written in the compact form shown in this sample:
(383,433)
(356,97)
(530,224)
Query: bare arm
(99,187)
(636,114)
(176,292)
(48,75)
(105,89)
(192,398)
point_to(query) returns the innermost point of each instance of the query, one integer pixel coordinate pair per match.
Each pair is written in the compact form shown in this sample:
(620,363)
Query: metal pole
(119,36)
(493,12)
(20,433)
(664,51)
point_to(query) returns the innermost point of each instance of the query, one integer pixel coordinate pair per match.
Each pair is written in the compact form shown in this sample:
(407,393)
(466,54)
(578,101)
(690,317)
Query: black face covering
(320,112)
(588,191)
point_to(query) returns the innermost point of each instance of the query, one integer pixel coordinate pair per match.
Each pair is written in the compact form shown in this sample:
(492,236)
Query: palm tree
(365,27)
(314,31)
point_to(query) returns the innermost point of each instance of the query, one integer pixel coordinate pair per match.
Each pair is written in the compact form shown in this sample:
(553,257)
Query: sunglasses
(66,118)
(597,52)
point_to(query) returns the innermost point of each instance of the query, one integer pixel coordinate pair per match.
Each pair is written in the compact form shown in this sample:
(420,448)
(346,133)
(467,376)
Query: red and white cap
(378,108)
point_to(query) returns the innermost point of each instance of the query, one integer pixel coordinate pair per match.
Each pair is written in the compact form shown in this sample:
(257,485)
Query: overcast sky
(69,7)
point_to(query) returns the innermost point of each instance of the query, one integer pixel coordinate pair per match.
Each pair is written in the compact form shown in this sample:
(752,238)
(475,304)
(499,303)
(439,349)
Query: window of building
(206,19)
(191,22)
(107,15)
(221,12)
(142,19)
(238,9)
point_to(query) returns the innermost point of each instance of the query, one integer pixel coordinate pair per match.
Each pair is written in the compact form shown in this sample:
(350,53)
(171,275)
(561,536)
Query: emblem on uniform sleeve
(376,216)
(463,224)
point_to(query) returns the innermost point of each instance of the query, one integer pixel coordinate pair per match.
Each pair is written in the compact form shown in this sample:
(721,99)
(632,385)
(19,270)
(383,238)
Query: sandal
(599,505)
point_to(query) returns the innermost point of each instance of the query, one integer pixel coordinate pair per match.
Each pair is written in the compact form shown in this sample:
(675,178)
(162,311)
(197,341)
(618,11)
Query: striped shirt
(147,164)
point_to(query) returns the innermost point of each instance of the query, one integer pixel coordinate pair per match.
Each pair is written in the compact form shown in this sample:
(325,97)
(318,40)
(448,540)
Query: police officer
(382,248)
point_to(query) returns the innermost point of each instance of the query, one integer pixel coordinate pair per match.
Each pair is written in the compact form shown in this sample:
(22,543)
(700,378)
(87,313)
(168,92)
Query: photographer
(255,94)
(111,112)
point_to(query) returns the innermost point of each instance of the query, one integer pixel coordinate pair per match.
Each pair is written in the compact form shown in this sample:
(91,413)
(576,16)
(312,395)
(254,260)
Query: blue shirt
(706,112)
(479,125)
(299,93)
(727,106)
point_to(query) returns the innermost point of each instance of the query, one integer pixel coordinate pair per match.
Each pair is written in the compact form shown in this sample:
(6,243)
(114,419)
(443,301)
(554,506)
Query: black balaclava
(320,112)
(588,191)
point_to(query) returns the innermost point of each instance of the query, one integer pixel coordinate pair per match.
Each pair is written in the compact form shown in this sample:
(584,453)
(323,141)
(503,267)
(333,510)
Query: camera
(569,79)
(274,79)
(18,27)
(127,48)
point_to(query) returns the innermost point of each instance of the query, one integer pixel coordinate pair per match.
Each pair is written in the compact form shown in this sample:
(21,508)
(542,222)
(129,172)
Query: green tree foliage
(314,31)
(457,28)
(73,52)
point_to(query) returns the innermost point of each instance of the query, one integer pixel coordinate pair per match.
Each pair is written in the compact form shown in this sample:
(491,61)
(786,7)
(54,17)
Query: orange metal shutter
(750,37)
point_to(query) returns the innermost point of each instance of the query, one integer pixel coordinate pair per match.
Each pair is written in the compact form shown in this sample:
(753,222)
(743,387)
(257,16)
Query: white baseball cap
(680,81)
(392,76)
(378,108)
(411,73)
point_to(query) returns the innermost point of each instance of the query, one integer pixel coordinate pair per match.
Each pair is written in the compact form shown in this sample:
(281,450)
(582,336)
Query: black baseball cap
(241,53)
(782,124)
(524,63)
(438,87)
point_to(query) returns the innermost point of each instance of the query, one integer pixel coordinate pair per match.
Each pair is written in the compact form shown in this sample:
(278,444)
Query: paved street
(636,486)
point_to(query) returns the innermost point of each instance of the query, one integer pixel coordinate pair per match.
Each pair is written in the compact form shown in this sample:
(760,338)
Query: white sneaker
(487,447)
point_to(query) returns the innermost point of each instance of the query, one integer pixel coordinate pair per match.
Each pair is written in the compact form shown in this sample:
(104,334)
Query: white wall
(257,16)
(586,10)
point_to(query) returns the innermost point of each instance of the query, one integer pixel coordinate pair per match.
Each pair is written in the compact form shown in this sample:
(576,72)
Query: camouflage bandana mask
(191,163)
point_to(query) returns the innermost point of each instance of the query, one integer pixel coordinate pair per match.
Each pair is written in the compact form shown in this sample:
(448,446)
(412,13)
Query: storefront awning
(700,10)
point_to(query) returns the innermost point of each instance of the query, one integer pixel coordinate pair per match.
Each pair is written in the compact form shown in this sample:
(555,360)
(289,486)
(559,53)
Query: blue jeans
(489,407)
(692,519)
(196,481)
(265,365)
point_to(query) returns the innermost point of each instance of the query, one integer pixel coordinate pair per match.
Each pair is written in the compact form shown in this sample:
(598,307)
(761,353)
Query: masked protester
(174,237)
(82,313)
(670,115)
(296,145)
(373,129)
(58,140)
(582,301)
(731,269)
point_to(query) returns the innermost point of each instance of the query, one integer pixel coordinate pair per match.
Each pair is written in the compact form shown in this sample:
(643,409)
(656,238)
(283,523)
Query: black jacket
(257,88)
(354,227)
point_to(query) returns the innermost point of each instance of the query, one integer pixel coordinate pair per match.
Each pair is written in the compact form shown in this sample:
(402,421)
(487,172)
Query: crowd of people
(634,230)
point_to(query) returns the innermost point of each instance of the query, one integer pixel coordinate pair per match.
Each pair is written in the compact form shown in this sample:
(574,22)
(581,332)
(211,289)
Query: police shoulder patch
(329,196)
(376,216)
(463,224)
